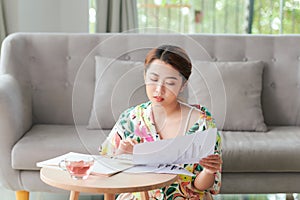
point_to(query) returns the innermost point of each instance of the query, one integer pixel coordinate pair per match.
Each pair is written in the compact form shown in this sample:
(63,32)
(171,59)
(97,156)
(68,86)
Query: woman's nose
(159,88)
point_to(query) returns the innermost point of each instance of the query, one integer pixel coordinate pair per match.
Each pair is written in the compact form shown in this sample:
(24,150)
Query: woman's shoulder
(200,118)
(135,109)
(199,111)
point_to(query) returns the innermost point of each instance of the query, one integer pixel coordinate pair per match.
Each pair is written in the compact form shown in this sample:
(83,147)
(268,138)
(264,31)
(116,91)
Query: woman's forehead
(162,69)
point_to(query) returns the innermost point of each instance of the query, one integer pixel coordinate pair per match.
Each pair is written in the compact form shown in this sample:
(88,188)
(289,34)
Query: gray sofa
(47,87)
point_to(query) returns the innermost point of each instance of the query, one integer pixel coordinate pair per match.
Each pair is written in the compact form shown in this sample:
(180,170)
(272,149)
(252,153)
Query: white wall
(46,15)
(11,15)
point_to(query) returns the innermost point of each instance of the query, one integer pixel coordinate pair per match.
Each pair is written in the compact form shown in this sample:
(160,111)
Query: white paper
(108,166)
(167,169)
(179,150)
(54,162)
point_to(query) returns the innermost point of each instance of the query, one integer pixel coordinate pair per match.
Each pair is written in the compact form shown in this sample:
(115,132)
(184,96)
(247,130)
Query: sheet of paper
(54,162)
(108,166)
(167,169)
(179,150)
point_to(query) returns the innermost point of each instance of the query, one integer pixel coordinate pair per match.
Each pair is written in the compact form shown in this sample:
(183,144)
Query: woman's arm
(210,177)
(205,179)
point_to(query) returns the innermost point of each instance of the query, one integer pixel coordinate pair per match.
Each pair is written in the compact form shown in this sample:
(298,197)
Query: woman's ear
(184,85)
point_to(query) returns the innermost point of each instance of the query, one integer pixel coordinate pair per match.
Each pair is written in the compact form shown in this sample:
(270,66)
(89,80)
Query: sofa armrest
(15,120)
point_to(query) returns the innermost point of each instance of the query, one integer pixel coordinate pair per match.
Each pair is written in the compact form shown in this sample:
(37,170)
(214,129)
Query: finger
(214,165)
(210,170)
(124,143)
(131,141)
(210,161)
(216,159)
(215,156)
(211,166)
(135,141)
(213,161)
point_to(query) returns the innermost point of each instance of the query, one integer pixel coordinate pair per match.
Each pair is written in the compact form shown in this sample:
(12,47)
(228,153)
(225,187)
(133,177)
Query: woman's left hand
(211,163)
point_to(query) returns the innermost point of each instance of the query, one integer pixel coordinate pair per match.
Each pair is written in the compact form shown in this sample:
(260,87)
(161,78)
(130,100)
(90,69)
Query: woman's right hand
(126,146)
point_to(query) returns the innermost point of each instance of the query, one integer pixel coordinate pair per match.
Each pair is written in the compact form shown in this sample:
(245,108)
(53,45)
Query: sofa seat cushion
(274,151)
(43,142)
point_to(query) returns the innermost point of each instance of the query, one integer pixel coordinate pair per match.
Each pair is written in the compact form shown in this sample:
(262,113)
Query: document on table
(102,165)
(179,150)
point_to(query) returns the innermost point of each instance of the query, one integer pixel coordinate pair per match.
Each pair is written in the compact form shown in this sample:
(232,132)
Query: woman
(167,70)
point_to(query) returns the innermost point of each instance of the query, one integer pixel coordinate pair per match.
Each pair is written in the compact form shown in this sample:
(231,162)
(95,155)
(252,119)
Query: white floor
(10,195)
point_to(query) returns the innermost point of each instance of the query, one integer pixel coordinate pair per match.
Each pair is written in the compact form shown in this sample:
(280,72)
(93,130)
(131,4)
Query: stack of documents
(161,156)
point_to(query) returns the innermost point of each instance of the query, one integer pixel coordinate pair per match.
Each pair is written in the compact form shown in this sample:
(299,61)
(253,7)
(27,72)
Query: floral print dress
(138,123)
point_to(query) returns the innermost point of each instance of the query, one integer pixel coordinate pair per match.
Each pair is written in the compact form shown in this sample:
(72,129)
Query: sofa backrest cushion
(59,69)
(119,85)
(230,90)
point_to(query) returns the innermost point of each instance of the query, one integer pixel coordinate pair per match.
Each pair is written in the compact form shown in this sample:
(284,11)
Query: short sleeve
(118,132)
(111,143)
(127,125)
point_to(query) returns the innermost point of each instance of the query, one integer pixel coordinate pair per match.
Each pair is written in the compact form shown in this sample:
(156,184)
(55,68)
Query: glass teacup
(79,167)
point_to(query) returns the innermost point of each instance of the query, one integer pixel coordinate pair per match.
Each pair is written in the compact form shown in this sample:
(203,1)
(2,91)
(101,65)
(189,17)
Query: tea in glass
(79,167)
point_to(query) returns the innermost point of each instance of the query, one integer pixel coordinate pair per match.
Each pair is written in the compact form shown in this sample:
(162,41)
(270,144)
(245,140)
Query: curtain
(116,15)
(2,24)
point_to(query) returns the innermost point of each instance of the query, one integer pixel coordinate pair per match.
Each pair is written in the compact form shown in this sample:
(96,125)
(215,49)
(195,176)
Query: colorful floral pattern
(137,123)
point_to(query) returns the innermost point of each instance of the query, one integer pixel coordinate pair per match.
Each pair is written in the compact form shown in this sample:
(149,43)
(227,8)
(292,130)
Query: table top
(118,183)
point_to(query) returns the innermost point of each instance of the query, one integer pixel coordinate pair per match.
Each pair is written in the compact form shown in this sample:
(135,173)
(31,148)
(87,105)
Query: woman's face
(163,83)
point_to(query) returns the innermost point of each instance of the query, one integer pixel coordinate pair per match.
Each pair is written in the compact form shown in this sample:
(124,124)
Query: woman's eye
(170,83)
(154,79)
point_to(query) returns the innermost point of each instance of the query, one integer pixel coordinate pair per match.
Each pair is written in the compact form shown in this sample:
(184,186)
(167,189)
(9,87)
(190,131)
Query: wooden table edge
(68,187)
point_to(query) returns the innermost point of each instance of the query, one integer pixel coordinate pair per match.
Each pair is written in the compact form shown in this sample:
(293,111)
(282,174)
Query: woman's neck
(167,111)
(168,120)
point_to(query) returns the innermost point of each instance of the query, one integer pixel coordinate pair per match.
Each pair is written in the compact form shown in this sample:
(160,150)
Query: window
(216,16)
(193,16)
(92,16)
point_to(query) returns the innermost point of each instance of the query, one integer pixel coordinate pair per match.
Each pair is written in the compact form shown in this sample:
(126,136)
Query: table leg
(22,195)
(74,195)
(108,196)
(145,195)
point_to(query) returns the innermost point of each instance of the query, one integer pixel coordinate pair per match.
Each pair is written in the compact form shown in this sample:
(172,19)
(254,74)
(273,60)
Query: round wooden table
(109,186)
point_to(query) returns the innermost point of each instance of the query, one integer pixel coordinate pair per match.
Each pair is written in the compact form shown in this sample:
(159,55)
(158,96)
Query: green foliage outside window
(267,16)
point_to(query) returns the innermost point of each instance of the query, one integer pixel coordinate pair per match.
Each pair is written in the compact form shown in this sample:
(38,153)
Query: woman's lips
(158,98)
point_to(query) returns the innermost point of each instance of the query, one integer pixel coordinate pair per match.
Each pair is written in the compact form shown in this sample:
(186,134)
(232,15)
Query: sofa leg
(22,195)
(289,197)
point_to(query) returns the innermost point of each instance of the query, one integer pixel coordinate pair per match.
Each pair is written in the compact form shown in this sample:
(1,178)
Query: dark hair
(173,55)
